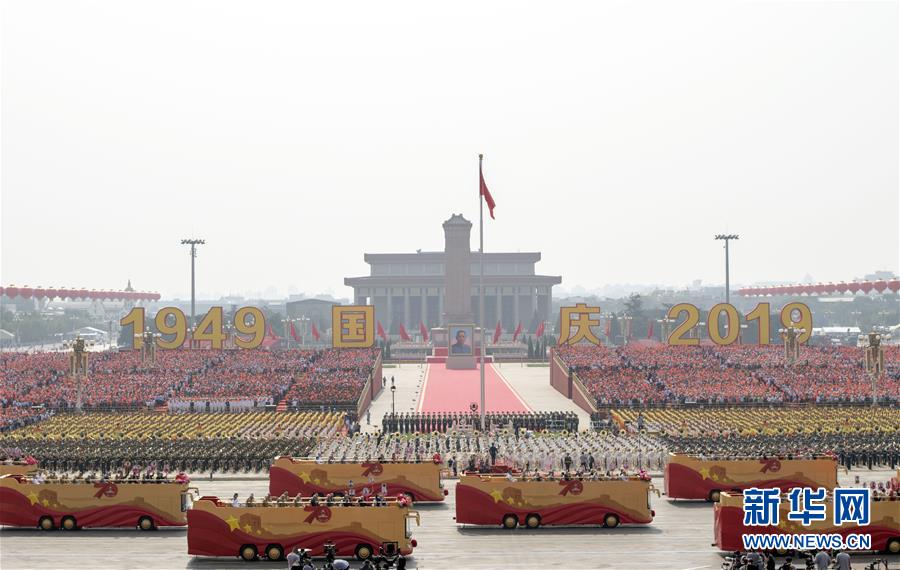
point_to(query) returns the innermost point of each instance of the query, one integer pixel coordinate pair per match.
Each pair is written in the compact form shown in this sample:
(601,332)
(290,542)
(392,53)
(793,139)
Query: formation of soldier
(232,454)
(852,449)
(523,451)
(411,422)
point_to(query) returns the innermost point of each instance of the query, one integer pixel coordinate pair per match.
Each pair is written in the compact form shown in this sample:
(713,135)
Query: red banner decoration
(380,330)
(317,513)
(518,331)
(423,331)
(497,332)
(540,330)
(315,332)
(372,469)
(403,334)
(106,490)
(574,487)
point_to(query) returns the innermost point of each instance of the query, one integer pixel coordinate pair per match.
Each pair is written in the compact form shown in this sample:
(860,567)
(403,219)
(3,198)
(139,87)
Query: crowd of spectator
(654,373)
(210,380)
(333,377)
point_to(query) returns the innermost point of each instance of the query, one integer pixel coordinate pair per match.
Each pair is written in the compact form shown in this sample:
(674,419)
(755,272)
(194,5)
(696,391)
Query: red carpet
(455,390)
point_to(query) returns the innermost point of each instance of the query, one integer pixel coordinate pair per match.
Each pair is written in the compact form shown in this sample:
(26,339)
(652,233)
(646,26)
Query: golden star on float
(303,477)
(46,503)
(497,495)
(33,497)
(233,523)
(704,473)
(248,528)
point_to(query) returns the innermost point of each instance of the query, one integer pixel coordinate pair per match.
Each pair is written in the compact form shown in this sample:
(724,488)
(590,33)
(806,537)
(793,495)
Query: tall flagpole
(481,281)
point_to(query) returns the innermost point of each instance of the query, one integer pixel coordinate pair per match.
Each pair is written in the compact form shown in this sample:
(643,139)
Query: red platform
(448,390)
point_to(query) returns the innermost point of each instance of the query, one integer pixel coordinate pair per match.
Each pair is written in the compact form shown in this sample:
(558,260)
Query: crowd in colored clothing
(334,377)
(206,377)
(645,374)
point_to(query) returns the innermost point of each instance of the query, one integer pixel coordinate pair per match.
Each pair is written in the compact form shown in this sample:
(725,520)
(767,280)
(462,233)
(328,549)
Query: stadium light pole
(727,238)
(193,242)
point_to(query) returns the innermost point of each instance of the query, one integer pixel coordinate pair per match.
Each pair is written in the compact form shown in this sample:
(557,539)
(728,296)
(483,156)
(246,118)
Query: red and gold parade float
(70,505)
(216,528)
(420,482)
(510,501)
(688,477)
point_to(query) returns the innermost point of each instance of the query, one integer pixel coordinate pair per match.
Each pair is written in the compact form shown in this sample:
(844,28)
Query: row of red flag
(404,335)
(423,330)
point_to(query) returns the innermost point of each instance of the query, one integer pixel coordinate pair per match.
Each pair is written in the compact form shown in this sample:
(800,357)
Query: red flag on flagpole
(271,332)
(650,330)
(485,193)
(608,326)
(294,334)
(540,330)
(497,332)
(315,332)
(403,334)
(518,331)
(380,330)
(424,331)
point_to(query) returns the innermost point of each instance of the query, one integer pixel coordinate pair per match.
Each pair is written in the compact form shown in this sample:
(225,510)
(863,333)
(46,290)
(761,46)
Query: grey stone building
(429,286)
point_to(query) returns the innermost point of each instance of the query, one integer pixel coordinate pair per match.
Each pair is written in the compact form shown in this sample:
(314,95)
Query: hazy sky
(295,136)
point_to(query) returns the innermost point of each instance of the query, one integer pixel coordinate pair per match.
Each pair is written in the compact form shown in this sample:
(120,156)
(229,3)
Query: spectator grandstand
(210,379)
(639,374)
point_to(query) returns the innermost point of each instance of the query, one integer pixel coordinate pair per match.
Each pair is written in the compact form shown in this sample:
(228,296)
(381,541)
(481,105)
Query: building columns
(424,299)
(406,307)
(390,309)
(516,316)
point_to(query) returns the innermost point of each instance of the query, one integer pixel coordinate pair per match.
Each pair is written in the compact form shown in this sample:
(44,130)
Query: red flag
(540,330)
(497,332)
(424,331)
(403,334)
(518,331)
(489,200)
(315,331)
(650,330)
(380,330)
(294,334)
(608,326)
(271,332)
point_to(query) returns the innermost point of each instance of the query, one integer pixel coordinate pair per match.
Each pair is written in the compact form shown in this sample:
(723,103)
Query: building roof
(438,256)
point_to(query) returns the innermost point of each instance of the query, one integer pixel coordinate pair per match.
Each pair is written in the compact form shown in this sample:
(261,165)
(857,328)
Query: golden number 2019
(793,315)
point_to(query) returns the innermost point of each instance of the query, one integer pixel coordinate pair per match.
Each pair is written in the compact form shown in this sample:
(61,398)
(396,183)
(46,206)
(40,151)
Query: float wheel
(146,523)
(510,521)
(46,523)
(893,546)
(363,552)
(248,552)
(715,495)
(274,552)
(611,521)
(532,521)
(68,523)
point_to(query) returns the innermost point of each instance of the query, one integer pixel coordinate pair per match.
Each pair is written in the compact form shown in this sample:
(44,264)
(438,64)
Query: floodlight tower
(193,242)
(727,238)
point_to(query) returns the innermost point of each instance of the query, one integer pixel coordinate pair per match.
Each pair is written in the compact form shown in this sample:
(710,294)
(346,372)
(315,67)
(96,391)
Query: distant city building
(410,288)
